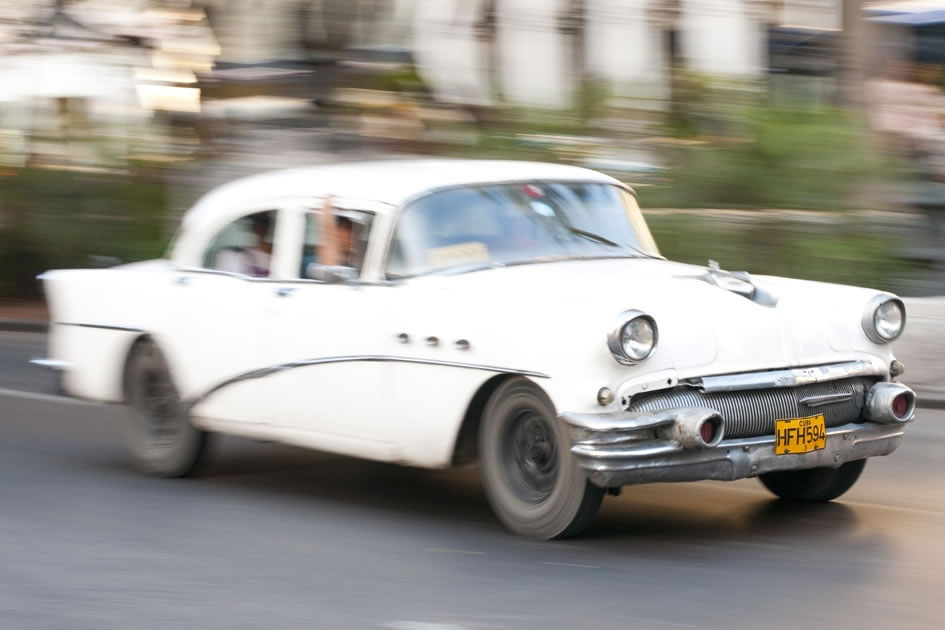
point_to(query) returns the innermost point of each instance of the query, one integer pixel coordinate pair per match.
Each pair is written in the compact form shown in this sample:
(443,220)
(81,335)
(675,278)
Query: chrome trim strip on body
(100,326)
(791,377)
(51,364)
(370,358)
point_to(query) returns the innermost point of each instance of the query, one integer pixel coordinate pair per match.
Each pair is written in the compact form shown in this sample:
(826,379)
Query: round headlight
(884,319)
(633,337)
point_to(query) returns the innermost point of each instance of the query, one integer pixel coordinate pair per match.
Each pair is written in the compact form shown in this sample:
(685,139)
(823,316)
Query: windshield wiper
(606,241)
(591,235)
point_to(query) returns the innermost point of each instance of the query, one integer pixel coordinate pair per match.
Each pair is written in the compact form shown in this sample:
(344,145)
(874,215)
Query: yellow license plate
(799,435)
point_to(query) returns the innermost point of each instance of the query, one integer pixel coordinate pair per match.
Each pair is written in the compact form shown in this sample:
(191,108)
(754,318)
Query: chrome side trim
(100,326)
(51,364)
(370,358)
(792,377)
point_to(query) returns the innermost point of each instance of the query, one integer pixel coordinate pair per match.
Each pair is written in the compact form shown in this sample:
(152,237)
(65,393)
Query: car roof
(388,181)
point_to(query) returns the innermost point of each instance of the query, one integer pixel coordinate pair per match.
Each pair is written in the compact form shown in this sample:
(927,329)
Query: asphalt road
(277,537)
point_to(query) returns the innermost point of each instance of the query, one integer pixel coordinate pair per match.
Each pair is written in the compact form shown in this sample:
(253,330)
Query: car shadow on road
(642,516)
(714,515)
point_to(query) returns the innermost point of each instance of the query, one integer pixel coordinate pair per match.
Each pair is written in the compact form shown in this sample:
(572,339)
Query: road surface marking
(462,551)
(571,564)
(15,393)
(421,625)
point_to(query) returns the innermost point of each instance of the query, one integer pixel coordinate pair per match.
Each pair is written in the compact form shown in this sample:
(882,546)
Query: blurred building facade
(526,52)
(74,66)
(86,82)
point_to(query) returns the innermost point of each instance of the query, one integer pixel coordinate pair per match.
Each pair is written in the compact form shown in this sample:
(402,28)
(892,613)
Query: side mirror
(331,274)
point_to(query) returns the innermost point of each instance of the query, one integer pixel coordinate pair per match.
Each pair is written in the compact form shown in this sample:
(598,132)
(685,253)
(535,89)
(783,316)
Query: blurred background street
(803,138)
(793,137)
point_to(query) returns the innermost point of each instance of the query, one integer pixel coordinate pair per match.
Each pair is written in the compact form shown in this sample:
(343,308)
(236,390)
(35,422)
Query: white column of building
(255,31)
(534,66)
(823,14)
(721,37)
(449,56)
(625,47)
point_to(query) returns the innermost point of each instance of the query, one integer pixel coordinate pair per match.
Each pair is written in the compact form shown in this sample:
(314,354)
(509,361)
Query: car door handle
(285,291)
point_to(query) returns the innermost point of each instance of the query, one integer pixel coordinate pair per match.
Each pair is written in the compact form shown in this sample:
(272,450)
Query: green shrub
(804,159)
(841,251)
(56,219)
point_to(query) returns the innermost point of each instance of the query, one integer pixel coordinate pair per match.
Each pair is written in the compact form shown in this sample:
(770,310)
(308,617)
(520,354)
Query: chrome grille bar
(751,413)
(792,377)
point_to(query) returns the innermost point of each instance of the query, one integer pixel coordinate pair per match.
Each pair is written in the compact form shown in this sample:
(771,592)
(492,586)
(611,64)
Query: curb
(934,399)
(930,403)
(24,325)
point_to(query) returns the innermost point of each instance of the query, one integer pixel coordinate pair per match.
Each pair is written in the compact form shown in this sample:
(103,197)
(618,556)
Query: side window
(337,239)
(244,246)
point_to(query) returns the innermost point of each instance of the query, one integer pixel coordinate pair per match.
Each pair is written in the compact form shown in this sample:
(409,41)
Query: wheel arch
(137,341)
(466,446)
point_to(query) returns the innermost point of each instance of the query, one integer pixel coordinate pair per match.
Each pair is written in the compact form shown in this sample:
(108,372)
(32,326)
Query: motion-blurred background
(795,137)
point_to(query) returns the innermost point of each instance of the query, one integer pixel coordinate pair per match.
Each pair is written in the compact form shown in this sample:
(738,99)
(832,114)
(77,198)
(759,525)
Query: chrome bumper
(618,449)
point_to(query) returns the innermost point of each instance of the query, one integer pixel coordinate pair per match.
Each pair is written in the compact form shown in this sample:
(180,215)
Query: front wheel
(814,485)
(158,431)
(532,481)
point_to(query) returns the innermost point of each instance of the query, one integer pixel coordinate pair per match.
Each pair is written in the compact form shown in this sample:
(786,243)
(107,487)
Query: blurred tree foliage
(53,219)
(844,250)
(811,158)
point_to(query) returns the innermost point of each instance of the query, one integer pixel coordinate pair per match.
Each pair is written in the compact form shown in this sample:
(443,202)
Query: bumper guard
(626,448)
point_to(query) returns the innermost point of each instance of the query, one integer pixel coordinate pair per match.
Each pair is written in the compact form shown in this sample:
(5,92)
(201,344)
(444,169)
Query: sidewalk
(921,349)
(23,316)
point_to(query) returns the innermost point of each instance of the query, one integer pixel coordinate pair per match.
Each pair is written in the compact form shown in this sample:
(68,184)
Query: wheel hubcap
(157,404)
(531,456)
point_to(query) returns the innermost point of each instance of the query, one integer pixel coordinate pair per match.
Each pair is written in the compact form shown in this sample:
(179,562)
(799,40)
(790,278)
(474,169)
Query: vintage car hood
(703,328)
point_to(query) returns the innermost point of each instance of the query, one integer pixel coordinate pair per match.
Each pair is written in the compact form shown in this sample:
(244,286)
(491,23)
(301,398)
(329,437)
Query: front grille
(751,413)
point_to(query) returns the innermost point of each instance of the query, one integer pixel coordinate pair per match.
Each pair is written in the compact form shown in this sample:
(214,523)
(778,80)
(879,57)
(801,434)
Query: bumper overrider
(688,443)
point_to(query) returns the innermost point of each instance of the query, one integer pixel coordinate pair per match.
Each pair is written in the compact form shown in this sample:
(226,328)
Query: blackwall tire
(815,485)
(532,480)
(157,430)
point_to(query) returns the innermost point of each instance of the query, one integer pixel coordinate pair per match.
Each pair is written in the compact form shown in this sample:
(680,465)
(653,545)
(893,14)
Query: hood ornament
(738,282)
(735,281)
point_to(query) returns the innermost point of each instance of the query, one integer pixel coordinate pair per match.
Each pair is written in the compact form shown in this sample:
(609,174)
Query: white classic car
(441,312)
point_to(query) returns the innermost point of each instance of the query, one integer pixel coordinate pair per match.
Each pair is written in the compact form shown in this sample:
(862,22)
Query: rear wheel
(532,481)
(815,485)
(158,431)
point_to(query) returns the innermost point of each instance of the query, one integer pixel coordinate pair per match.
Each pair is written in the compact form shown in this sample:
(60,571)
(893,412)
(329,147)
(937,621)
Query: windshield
(482,226)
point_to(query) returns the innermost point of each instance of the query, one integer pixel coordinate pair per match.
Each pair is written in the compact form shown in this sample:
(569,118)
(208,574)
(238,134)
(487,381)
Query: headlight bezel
(615,337)
(868,320)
